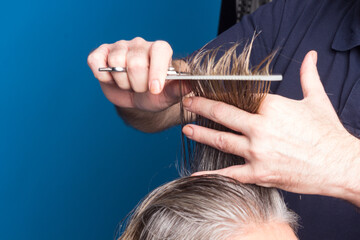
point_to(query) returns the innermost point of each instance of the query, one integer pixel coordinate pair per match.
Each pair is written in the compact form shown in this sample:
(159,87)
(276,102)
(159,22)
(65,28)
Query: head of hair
(205,207)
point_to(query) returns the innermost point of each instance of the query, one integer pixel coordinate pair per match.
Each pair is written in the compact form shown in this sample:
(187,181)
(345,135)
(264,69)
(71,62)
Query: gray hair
(205,207)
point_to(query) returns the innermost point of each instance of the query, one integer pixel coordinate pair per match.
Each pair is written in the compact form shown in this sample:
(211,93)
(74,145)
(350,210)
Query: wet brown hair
(246,95)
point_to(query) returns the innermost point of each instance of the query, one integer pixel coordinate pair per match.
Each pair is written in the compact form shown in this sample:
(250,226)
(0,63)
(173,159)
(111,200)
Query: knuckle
(123,84)
(138,41)
(252,153)
(255,126)
(255,153)
(116,60)
(104,46)
(91,59)
(139,88)
(271,104)
(217,111)
(102,78)
(94,59)
(254,129)
(98,55)
(138,82)
(222,143)
(230,172)
(163,45)
(93,63)
(137,63)
(104,49)
(264,176)
(265,104)
(121,43)
(195,106)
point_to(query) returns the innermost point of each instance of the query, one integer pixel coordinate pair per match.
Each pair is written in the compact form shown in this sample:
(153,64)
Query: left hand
(298,146)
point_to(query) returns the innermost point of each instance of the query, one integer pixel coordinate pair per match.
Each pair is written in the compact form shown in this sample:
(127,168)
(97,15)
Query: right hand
(143,86)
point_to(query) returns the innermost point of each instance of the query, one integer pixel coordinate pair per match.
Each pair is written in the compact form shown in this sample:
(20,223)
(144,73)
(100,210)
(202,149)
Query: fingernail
(155,86)
(187,102)
(188,131)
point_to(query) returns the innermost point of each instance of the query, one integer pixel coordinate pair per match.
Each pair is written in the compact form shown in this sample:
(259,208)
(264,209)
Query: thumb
(309,76)
(174,90)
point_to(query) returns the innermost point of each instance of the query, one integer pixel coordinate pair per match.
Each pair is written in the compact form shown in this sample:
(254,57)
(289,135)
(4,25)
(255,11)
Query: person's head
(211,207)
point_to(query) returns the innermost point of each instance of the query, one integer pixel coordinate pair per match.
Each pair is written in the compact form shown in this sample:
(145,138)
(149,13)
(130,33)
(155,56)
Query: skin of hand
(143,86)
(298,146)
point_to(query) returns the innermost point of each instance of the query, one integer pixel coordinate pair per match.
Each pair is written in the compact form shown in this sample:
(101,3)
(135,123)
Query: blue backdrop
(69,167)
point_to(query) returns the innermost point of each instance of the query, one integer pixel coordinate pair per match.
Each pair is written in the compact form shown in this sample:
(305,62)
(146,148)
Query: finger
(222,113)
(171,94)
(160,57)
(117,58)
(242,173)
(137,61)
(119,97)
(98,58)
(309,77)
(223,141)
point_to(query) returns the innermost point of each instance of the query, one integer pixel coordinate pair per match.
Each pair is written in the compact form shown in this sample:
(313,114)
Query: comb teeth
(227,77)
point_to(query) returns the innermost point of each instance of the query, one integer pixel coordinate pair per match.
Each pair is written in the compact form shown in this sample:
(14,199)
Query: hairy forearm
(151,122)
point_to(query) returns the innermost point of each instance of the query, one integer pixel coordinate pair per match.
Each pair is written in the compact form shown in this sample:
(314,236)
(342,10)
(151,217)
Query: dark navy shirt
(332,28)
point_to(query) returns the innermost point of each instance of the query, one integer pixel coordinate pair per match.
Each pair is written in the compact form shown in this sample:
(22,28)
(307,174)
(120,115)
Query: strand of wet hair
(246,95)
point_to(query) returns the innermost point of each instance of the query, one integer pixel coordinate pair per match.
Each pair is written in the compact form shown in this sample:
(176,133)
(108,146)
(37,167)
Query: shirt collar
(348,34)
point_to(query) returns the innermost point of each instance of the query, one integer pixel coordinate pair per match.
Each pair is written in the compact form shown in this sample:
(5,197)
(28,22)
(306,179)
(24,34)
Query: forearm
(151,122)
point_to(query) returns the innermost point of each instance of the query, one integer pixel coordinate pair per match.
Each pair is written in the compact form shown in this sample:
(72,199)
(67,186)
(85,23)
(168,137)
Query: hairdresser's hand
(142,86)
(298,146)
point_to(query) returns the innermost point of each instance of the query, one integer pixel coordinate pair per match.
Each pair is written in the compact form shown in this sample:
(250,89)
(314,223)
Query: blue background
(69,167)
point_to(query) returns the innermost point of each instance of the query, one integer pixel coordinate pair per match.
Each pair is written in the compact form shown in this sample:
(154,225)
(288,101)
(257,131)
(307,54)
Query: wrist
(150,122)
(349,189)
